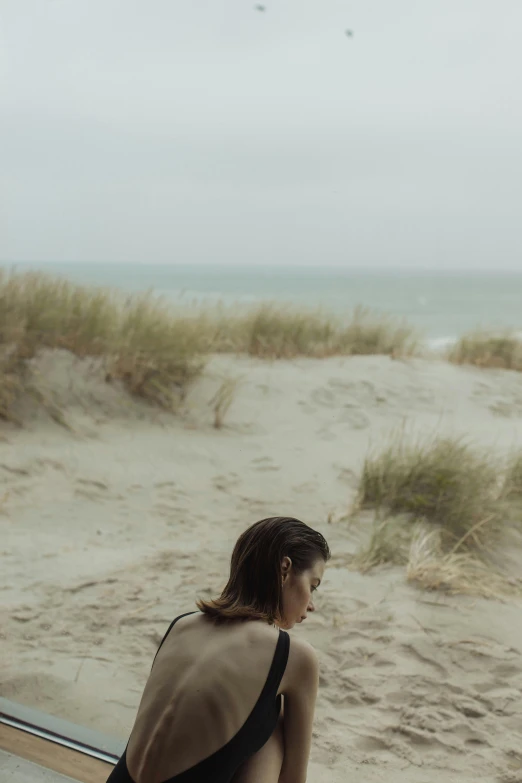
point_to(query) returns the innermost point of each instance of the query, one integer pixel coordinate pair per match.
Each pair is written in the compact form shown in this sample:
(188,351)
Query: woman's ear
(286,565)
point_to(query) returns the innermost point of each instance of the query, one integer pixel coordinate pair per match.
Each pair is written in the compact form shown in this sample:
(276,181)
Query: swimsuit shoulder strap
(169,630)
(279,661)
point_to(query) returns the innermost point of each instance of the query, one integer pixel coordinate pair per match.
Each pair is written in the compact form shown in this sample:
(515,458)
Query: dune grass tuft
(12,372)
(388,544)
(157,353)
(487,350)
(273,331)
(223,399)
(38,311)
(513,476)
(443,481)
(143,344)
(431,568)
(442,508)
(512,489)
(156,350)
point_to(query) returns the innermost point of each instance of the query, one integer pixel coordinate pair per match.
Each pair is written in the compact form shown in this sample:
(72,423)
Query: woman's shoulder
(302,669)
(301,652)
(302,663)
(246,641)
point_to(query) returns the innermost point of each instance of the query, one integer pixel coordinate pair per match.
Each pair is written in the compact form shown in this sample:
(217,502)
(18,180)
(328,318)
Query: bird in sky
(260,7)
(349,33)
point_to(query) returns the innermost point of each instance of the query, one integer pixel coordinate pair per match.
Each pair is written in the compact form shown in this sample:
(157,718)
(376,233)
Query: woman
(212,710)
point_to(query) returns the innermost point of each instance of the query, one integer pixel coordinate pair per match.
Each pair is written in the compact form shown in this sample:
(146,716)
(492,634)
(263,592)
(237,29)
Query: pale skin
(205,682)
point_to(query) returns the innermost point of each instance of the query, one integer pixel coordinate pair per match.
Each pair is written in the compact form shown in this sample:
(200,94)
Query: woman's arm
(299,699)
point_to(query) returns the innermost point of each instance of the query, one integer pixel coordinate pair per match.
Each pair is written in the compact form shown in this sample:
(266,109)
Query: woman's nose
(311,607)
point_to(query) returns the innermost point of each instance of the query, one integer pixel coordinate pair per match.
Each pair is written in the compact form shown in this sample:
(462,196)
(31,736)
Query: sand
(113,525)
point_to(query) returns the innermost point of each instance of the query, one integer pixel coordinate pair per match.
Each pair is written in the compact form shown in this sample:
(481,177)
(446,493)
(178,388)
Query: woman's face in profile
(298,590)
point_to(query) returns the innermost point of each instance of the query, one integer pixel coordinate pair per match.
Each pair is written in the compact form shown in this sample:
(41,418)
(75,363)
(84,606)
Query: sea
(443,305)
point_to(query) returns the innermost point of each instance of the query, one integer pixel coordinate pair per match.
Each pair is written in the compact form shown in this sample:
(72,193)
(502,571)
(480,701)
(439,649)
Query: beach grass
(152,351)
(277,331)
(513,476)
(441,508)
(389,543)
(223,399)
(442,480)
(512,488)
(11,383)
(458,573)
(157,349)
(481,349)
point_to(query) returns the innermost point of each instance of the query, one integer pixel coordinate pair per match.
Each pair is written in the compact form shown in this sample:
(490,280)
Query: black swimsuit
(221,766)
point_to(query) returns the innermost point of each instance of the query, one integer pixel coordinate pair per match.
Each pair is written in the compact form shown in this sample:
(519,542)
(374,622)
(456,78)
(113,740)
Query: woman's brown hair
(254,590)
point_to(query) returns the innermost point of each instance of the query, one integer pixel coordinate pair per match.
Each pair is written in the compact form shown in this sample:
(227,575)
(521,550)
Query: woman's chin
(283,625)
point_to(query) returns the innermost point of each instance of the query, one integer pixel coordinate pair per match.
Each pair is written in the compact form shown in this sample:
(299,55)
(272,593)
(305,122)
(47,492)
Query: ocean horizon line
(275,266)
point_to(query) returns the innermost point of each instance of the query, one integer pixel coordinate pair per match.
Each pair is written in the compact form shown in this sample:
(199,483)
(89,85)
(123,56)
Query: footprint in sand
(505,402)
(307,408)
(168,511)
(46,462)
(264,464)
(264,387)
(325,397)
(356,419)
(506,408)
(91,489)
(506,670)
(347,476)
(350,397)
(307,486)
(14,470)
(516,775)
(170,490)
(356,392)
(227,482)
(345,424)
(92,483)
(252,504)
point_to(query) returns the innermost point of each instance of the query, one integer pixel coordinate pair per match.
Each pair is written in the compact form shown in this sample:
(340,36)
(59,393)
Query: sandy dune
(113,527)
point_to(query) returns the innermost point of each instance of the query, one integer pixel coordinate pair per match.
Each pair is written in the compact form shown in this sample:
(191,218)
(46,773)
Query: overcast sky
(205,131)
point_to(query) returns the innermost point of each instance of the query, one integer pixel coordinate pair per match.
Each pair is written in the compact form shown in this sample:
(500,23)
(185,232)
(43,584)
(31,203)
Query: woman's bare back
(203,686)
